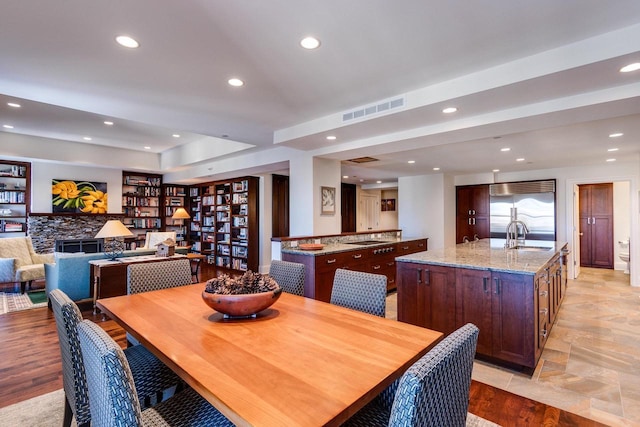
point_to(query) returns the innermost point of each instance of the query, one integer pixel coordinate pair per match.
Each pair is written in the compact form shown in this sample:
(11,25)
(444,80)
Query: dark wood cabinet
(348,207)
(472,212)
(596,225)
(280,206)
(514,312)
(320,268)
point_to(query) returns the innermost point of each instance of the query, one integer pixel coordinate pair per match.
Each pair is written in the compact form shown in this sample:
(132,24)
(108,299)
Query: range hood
(532,202)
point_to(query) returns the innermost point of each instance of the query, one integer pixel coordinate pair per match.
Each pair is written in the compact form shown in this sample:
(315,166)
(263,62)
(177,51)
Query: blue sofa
(71,272)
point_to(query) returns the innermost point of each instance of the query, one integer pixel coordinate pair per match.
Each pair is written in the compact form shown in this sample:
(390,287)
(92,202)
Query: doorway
(596,225)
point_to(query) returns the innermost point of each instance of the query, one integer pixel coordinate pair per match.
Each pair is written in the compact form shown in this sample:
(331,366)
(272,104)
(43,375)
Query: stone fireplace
(45,229)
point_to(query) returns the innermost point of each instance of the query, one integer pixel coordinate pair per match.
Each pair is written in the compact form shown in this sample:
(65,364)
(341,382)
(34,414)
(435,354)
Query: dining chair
(112,390)
(151,375)
(289,275)
(360,291)
(434,391)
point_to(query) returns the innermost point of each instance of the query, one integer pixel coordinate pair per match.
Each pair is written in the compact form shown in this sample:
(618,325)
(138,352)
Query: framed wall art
(327,200)
(388,204)
(78,196)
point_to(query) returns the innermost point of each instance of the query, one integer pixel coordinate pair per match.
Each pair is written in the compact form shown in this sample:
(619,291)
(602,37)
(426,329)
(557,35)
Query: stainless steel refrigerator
(532,202)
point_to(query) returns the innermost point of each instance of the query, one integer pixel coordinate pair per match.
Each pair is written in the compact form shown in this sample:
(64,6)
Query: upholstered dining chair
(152,276)
(112,390)
(151,375)
(360,291)
(434,391)
(289,275)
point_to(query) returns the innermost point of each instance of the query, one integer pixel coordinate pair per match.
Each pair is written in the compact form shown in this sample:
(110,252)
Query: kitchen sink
(532,248)
(366,242)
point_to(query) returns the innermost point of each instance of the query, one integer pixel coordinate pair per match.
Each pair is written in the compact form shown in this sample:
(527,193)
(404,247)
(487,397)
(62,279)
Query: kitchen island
(512,295)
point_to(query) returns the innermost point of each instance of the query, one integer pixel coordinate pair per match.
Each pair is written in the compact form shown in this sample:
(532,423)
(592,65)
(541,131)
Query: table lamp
(181,214)
(113,233)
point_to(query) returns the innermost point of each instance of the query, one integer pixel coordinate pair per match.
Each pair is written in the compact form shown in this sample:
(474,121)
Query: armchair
(20,263)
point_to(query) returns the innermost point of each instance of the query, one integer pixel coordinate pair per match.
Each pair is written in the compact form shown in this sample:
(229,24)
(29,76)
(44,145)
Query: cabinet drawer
(411,246)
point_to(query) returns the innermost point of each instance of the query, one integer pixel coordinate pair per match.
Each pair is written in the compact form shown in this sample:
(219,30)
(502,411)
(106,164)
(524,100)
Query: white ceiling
(539,77)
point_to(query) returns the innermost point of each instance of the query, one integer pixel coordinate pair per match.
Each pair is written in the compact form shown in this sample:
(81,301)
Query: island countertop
(338,247)
(490,254)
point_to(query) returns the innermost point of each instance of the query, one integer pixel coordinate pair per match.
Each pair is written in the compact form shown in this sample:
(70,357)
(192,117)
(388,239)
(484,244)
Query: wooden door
(596,225)
(369,212)
(348,209)
(280,206)
(473,304)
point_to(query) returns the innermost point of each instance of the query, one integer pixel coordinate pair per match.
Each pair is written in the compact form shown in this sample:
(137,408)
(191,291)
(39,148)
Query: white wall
(265,213)
(326,173)
(423,212)
(43,173)
(389,219)
(621,220)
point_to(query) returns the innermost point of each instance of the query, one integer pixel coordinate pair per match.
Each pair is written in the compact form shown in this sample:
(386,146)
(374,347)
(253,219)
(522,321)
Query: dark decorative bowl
(241,305)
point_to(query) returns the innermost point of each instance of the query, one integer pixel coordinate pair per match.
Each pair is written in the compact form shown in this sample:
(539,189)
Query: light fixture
(176,135)
(108,123)
(180,215)
(113,232)
(13,104)
(146,147)
(345,176)
(505,149)
(127,41)
(616,135)
(378,182)
(631,67)
(310,43)
(411,162)
(613,149)
(235,82)
(331,137)
(7,126)
(496,170)
(450,110)
(520,159)
(611,160)
(86,138)
(436,169)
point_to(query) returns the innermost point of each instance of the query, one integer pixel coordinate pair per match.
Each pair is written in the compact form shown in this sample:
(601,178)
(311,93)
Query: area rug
(15,302)
(48,410)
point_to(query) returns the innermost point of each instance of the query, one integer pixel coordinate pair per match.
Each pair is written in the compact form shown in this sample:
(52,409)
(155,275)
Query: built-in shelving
(141,204)
(15,179)
(175,196)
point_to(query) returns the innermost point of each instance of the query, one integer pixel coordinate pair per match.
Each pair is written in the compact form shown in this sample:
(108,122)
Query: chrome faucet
(513,233)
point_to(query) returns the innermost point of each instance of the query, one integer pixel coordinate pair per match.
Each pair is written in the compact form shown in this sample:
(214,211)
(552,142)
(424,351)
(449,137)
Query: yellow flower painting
(79,196)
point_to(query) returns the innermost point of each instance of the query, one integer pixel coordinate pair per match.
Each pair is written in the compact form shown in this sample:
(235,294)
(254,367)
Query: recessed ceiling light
(616,135)
(362,180)
(13,104)
(378,182)
(450,110)
(345,176)
(331,137)
(631,67)
(108,123)
(86,138)
(436,169)
(310,43)
(411,162)
(147,148)
(611,160)
(496,170)
(175,135)
(235,82)
(520,159)
(7,126)
(505,149)
(613,149)
(127,41)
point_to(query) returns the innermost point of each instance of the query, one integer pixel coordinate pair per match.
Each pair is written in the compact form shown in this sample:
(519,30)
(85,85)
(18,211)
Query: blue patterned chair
(360,291)
(151,375)
(289,275)
(434,391)
(112,390)
(152,276)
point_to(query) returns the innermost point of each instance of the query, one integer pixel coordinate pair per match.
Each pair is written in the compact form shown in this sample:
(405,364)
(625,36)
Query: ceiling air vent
(380,107)
(363,160)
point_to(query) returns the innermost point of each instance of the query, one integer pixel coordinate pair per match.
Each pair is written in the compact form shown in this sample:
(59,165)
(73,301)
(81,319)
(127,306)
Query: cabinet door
(512,308)
(473,304)
(601,241)
(409,279)
(480,200)
(439,298)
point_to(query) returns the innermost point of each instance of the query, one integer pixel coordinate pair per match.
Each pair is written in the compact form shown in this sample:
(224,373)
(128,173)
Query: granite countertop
(489,254)
(344,247)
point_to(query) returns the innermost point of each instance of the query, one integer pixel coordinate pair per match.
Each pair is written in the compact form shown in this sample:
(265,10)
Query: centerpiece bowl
(242,297)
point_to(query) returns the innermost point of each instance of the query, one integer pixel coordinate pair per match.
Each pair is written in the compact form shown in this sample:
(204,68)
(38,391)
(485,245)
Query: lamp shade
(180,213)
(113,228)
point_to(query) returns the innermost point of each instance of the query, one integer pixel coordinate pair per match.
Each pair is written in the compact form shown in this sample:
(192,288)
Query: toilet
(624,254)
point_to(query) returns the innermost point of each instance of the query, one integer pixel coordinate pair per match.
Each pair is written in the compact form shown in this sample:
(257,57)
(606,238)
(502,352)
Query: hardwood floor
(30,366)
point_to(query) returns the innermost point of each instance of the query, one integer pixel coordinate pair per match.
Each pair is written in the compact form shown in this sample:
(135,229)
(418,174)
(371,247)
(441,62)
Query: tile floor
(591,363)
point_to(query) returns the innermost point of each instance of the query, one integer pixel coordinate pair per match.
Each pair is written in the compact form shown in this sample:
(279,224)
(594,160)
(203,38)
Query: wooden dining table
(300,362)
